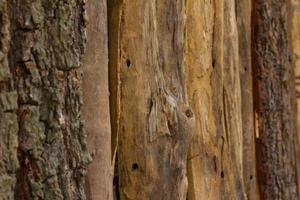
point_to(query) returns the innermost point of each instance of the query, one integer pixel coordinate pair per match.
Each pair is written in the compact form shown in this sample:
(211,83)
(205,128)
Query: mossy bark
(42,43)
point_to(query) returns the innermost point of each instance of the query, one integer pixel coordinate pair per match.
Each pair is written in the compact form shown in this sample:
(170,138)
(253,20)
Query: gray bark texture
(43,144)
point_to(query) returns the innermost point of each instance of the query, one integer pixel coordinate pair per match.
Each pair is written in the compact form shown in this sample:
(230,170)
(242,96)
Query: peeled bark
(42,44)
(274,101)
(96,103)
(155,123)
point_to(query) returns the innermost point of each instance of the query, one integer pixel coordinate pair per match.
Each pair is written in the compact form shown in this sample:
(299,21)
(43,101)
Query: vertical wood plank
(96,111)
(243,12)
(213,68)
(155,121)
(204,157)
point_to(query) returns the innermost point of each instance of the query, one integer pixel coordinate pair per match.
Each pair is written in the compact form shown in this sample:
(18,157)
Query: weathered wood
(42,43)
(215,163)
(96,111)
(274,101)
(155,124)
(227,100)
(204,157)
(243,12)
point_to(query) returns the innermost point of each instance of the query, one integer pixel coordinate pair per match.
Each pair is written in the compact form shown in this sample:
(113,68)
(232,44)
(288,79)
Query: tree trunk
(42,44)
(96,103)
(274,101)
(8,106)
(155,123)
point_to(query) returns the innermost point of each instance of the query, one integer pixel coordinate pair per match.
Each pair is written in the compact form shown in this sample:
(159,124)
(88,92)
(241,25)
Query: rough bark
(215,162)
(274,101)
(8,106)
(42,43)
(96,103)
(155,124)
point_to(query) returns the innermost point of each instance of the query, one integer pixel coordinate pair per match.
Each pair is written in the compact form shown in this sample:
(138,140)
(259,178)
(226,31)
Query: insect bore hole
(135,166)
(128,63)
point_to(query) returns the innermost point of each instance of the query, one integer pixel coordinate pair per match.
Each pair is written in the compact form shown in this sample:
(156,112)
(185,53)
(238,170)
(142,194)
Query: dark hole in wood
(222,174)
(128,63)
(251,177)
(213,63)
(135,167)
(189,113)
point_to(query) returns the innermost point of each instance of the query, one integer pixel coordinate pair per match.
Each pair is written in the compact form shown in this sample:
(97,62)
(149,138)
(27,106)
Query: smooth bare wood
(274,101)
(156,123)
(96,113)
